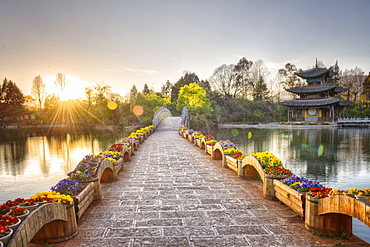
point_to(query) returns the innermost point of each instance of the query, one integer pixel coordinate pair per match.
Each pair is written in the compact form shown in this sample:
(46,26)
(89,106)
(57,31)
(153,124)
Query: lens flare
(138,110)
(112,105)
(235,132)
(320,150)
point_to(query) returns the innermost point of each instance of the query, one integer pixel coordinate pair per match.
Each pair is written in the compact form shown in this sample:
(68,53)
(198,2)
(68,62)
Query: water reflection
(337,157)
(35,159)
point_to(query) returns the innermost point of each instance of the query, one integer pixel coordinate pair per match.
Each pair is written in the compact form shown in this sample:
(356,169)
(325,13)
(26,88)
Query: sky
(121,43)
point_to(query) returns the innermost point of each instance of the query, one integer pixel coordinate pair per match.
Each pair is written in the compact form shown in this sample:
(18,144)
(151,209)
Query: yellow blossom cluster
(232,151)
(267,159)
(54,197)
(181,127)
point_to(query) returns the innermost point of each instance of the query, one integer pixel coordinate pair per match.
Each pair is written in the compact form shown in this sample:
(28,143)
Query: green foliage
(200,122)
(184,80)
(150,104)
(194,97)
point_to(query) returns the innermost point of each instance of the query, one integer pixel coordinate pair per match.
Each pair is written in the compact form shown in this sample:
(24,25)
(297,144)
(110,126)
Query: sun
(75,88)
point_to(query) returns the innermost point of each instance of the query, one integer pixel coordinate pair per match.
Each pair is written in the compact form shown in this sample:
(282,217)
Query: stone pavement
(173,194)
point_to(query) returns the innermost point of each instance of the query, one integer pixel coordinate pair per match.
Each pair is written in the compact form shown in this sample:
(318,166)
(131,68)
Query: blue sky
(122,43)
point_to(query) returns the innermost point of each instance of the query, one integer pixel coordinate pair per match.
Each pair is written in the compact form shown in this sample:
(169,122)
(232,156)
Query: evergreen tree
(133,94)
(146,89)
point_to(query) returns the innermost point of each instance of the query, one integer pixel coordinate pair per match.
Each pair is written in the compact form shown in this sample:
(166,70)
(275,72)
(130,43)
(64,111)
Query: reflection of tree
(12,152)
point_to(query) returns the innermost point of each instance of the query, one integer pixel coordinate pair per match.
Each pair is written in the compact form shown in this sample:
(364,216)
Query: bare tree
(38,90)
(61,83)
(101,91)
(353,80)
(223,81)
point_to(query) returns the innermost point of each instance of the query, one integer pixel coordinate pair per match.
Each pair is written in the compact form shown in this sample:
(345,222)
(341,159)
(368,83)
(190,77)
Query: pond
(337,157)
(33,160)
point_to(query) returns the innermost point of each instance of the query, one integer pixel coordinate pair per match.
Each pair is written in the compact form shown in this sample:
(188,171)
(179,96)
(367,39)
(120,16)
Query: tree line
(241,92)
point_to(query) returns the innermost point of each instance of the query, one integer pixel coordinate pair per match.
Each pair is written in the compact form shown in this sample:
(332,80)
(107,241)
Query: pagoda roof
(311,102)
(345,102)
(311,89)
(315,72)
(340,90)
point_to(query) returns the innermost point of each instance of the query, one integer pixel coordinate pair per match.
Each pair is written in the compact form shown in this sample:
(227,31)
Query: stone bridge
(171,193)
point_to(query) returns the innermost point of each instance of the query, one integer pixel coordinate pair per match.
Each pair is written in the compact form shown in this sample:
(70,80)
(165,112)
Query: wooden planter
(293,199)
(83,200)
(199,142)
(50,223)
(209,149)
(117,166)
(96,186)
(232,163)
(321,215)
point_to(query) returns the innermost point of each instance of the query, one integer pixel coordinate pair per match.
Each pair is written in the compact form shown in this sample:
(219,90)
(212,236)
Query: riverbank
(276,125)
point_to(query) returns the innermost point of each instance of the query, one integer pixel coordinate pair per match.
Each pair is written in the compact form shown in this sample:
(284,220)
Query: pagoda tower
(316,102)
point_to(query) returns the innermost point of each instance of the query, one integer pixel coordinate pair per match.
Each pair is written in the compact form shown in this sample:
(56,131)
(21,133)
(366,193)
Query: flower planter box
(330,215)
(293,199)
(117,167)
(209,149)
(199,142)
(49,223)
(83,200)
(232,163)
(6,238)
(96,186)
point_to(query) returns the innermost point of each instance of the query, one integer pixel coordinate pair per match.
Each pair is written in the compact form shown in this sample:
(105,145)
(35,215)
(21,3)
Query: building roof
(345,102)
(311,89)
(311,102)
(315,72)
(340,90)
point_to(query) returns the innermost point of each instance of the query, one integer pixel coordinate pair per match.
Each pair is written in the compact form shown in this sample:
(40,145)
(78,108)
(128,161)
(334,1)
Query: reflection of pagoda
(316,101)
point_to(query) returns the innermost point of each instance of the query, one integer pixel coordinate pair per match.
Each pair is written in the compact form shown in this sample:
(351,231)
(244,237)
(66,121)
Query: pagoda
(316,102)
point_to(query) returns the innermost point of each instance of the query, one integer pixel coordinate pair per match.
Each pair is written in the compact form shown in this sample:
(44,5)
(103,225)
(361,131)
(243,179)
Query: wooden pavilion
(316,102)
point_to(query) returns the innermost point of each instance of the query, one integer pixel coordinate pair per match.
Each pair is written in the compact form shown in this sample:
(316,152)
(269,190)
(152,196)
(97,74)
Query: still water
(33,160)
(337,157)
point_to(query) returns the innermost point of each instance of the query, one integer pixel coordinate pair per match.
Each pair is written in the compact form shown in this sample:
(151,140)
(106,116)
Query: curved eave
(345,102)
(312,89)
(340,90)
(312,73)
(311,103)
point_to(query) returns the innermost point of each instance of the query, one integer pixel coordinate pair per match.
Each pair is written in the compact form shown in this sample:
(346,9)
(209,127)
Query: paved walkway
(173,194)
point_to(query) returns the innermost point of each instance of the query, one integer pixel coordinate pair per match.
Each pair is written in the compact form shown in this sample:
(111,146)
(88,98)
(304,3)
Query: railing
(185,117)
(160,114)
(359,120)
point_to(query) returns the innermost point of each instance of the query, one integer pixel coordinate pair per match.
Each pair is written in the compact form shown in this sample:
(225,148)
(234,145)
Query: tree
(11,99)
(89,97)
(61,83)
(166,88)
(146,89)
(101,91)
(223,81)
(366,88)
(353,80)
(38,90)
(242,72)
(51,101)
(194,97)
(150,103)
(133,94)
(186,79)
(259,76)
(288,78)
